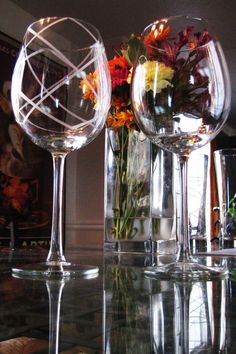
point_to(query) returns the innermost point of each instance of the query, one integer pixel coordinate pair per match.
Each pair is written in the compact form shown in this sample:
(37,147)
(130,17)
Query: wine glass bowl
(51,78)
(184,83)
(49,104)
(181,99)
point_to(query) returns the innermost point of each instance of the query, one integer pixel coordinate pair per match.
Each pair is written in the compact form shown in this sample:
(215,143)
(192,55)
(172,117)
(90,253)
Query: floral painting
(25,169)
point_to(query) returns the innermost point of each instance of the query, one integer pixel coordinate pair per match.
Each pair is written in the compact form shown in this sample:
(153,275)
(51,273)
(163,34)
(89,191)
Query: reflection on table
(120,311)
(143,315)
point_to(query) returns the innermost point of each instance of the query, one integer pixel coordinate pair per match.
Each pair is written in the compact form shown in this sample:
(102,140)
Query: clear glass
(225,168)
(159,316)
(199,194)
(61,62)
(193,324)
(163,202)
(127,191)
(138,194)
(181,99)
(55,289)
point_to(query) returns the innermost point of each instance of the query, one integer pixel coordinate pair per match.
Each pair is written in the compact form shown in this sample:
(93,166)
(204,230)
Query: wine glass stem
(54,293)
(182,302)
(184,253)
(55,255)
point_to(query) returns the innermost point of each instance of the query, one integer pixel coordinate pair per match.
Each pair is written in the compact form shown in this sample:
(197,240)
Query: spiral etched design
(75,71)
(61,60)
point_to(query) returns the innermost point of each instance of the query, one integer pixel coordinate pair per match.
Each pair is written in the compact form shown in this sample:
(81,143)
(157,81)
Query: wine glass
(61,59)
(181,99)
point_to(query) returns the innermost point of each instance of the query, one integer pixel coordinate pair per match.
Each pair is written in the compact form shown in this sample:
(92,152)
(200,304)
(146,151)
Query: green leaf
(135,48)
(232,276)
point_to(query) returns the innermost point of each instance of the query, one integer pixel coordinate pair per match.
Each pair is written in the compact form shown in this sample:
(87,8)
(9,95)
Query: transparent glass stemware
(181,99)
(61,62)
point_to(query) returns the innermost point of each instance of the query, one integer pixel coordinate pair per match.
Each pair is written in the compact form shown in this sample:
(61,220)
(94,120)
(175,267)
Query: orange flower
(17,194)
(120,113)
(120,119)
(89,86)
(157,35)
(193,43)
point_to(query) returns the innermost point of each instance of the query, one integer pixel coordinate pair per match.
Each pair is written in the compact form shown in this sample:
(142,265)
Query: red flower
(199,39)
(119,70)
(117,103)
(184,36)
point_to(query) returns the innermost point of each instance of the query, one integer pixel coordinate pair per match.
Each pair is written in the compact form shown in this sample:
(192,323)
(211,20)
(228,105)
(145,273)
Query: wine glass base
(187,271)
(47,271)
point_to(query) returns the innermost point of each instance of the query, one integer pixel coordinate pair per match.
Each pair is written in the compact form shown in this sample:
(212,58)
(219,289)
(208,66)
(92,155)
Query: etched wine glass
(60,61)
(181,99)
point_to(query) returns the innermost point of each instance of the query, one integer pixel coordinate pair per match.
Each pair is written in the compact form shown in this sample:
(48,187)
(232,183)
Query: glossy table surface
(119,311)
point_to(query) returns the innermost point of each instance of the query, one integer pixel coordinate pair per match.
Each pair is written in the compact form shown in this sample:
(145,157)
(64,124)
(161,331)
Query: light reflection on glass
(144,315)
(194,321)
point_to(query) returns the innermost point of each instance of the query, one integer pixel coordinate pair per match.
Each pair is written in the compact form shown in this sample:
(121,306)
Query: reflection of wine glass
(189,316)
(49,84)
(181,98)
(194,327)
(55,289)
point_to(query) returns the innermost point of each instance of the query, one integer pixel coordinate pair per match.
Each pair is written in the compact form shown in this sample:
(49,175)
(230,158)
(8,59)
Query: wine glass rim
(187,17)
(84,24)
(168,18)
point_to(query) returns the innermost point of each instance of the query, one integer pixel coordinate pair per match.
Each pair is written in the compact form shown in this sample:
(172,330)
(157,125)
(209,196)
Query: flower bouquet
(128,163)
(127,157)
(176,84)
(130,156)
(175,90)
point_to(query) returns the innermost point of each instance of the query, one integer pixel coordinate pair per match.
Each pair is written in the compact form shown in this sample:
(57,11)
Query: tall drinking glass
(225,168)
(49,84)
(181,99)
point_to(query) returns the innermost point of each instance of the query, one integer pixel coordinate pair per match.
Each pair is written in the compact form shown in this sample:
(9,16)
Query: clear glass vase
(128,224)
(164,201)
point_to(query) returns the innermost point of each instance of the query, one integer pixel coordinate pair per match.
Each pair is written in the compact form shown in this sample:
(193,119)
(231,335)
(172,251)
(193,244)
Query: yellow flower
(157,76)
(130,76)
(89,86)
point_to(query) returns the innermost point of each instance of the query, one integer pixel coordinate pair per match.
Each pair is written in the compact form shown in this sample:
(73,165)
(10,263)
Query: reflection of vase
(127,190)
(126,311)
